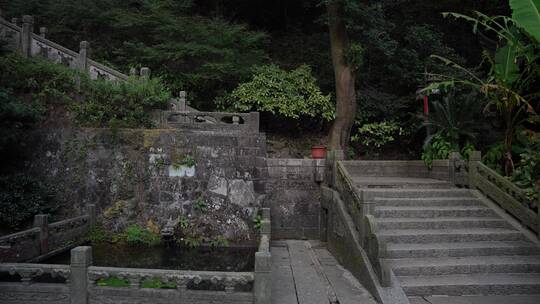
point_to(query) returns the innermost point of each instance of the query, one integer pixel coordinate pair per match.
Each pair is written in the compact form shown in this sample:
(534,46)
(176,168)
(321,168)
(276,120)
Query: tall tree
(344,74)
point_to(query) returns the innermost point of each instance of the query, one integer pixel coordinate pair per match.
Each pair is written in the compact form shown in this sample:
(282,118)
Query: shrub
(22,197)
(44,81)
(137,235)
(289,94)
(124,104)
(378,134)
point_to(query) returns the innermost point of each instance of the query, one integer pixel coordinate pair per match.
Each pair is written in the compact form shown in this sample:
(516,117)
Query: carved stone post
(41,221)
(182,101)
(15,21)
(81,259)
(262,287)
(43,32)
(474,158)
(132,72)
(254,122)
(82,59)
(145,73)
(332,157)
(452,161)
(91,211)
(26,35)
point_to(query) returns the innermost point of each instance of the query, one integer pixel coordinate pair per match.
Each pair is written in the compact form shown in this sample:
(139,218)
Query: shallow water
(168,257)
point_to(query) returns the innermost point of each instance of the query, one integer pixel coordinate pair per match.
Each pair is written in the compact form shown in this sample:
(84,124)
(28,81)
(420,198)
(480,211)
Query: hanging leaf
(506,68)
(526,13)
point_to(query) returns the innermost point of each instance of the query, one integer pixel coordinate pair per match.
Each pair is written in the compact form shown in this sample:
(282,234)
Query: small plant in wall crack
(184,223)
(188,161)
(220,241)
(193,241)
(200,204)
(257,222)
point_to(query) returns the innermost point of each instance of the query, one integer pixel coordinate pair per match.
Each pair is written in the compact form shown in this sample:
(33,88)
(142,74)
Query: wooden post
(26,35)
(474,158)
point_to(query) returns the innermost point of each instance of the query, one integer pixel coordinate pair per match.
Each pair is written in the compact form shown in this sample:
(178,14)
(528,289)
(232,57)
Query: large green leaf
(526,13)
(506,68)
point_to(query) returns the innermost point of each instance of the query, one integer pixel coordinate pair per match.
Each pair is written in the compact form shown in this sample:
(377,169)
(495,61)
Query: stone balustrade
(44,239)
(208,121)
(503,192)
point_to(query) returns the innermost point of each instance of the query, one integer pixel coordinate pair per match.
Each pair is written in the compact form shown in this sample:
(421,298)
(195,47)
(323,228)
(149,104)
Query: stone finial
(43,31)
(475,156)
(84,45)
(15,21)
(81,256)
(145,72)
(132,71)
(28,19)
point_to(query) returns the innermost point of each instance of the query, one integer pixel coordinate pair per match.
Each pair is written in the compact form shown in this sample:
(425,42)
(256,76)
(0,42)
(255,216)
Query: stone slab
(518,299)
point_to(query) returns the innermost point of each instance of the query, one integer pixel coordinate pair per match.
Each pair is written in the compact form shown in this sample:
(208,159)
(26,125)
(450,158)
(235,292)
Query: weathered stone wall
(135,175)
(294,198)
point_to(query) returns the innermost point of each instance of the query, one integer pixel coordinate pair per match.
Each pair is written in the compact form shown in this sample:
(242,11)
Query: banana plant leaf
(526,13)
(506,68)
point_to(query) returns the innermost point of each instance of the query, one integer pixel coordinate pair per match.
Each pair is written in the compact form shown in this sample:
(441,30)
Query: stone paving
(304,272)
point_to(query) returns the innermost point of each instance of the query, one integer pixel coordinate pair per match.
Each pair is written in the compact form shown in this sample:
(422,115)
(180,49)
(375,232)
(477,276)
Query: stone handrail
(44,239)
(245,122)
(503,192)
(28,271)
(181,278)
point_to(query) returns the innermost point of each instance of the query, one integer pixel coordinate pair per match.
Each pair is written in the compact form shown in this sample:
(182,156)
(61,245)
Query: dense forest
(276,57)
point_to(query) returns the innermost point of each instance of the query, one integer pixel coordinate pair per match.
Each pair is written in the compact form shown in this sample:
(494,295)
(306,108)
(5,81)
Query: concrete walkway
(304,272)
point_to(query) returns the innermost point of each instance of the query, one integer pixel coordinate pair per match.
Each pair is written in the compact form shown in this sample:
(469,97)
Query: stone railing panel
(97,70)
(505,194)
(68,232)
(53,52)
(20,246)
(216,121)
(10,33)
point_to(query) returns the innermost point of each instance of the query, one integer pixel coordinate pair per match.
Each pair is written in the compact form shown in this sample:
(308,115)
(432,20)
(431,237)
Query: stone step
(428,201)
(433,212)
(449,235)
(371,194)
(390,223)
(471,284)
(461,249)
(396,182)
(465,265)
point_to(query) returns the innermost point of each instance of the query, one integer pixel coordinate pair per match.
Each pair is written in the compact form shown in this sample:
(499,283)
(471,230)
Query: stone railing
(44,239)
(210,121)
(503,192)
(82,283)
(29,44)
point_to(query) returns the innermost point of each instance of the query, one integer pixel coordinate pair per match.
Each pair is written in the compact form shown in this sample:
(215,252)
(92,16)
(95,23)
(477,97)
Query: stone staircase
(442,240)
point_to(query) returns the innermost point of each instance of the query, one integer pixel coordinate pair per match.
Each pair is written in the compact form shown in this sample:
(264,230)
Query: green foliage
(378,134)
(113,282)
(183,223)
(188,161)
(22,197)
(527,174)
(125,104)
(44,81)
(257,222)
(493,157)
(192,241)
(137,235)
(200,204)
(219,241)
(99,234)
(438,147)
(288,94)
(157,284)
(526,13)
(204,55)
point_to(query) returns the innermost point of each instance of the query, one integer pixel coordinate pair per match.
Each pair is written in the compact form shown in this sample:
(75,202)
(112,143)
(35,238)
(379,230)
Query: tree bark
(345,78)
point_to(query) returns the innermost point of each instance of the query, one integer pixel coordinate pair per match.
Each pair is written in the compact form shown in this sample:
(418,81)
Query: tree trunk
(344,74)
